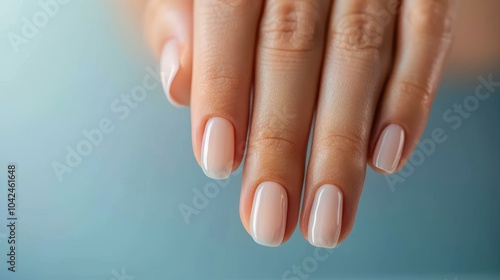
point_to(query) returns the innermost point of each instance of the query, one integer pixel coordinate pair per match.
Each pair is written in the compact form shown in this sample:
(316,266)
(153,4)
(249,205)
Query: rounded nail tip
(268,243)
(174,103)
(167,89)
(220,175)
(384,169)
(324,245)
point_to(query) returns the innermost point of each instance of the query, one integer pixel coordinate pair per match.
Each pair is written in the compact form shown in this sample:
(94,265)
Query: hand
(367,69)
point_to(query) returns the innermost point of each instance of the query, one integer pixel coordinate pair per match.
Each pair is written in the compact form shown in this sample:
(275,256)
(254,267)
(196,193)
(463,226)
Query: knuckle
(230,4)
(274,141)
(417,93)
(291,26)
(220,81)
(348,145)
(358,34)
(226,11)
(432,18)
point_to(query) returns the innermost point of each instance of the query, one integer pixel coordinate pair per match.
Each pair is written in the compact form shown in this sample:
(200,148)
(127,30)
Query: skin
(339,61)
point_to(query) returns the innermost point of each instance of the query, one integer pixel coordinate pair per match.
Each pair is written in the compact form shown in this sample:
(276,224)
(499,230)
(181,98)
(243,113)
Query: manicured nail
(269,212)
(217,151)
(169,65)
(325,220)
(389,147)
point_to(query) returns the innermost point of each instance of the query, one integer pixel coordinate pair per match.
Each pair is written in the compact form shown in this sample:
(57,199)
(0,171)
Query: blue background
(117,212)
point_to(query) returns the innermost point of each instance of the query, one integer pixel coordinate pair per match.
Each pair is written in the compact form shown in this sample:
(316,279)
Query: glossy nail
(325,220)
(269,213)
(170,65)
(217,151)
(389,148)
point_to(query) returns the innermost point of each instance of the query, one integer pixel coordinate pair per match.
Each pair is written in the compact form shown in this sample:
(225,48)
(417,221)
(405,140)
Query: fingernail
(217,151)
(389,147)
(325,220)
(170,64)
(269,212)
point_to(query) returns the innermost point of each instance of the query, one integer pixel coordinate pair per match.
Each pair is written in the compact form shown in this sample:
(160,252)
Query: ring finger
(357,61)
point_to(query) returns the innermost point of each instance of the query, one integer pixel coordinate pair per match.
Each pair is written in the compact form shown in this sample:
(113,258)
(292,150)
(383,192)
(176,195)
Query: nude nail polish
(389,148)
(169,67)
(325,220)
(217,151)
(269,214)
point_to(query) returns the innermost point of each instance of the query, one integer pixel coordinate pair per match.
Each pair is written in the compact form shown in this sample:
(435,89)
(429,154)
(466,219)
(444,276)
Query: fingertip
(171,76)
(168,29)
(388,150)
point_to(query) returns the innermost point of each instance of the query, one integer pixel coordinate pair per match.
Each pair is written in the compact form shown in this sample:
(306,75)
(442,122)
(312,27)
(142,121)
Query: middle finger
(289,55)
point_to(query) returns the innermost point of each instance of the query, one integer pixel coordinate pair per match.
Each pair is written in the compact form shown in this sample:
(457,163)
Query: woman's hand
(367,70)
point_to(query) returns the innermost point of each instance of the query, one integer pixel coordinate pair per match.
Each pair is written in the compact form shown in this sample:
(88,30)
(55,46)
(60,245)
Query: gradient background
(118,210)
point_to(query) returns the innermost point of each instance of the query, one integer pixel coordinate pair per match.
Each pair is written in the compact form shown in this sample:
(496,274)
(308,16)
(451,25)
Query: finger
(423,42)
(357,60)
(168,29)
(288,66)
(224,36)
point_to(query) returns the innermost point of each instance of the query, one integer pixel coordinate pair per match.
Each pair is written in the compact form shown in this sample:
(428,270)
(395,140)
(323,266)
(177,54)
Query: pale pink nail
(169,67)
(217,151)
(389,147)
(269,213)
(325,220)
